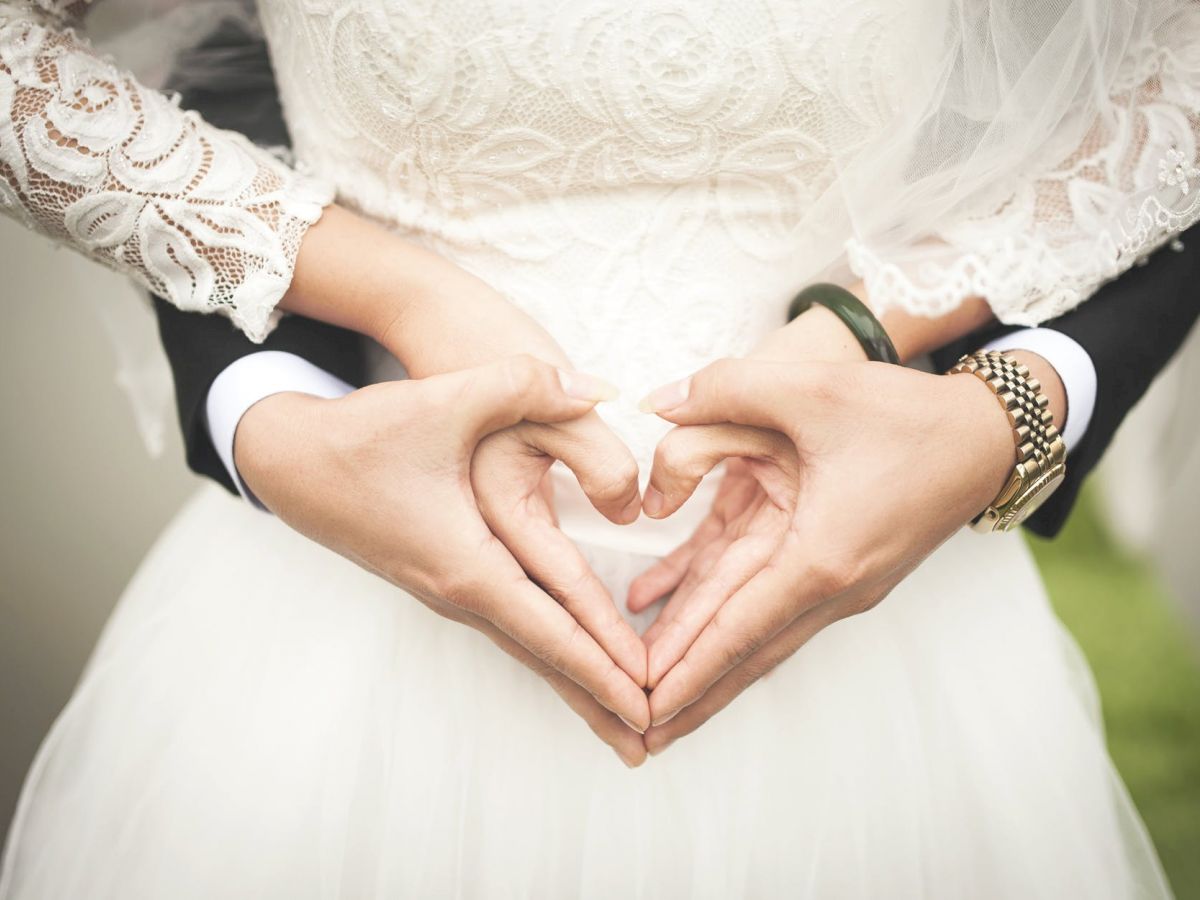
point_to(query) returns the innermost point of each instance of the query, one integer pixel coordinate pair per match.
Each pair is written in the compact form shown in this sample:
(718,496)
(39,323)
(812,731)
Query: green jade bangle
(854,313)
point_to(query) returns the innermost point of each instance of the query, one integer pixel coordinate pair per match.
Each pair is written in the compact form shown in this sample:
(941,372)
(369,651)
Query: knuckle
(823,385)
(544,670)
(834,574)
(751,671)
(825,580)
(865,601)
(522,373)
(558,654)
(614,477)
(736,642)
(569,586)
(676,453)
(461,590)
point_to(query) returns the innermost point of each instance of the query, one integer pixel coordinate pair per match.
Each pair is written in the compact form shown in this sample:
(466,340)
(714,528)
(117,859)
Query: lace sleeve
(1043,241)
(89,157)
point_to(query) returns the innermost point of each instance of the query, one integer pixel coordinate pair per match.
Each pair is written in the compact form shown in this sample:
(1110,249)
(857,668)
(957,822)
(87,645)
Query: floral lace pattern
(1043,244)
(636,176)
(201,217)
(658,176)
(662,176)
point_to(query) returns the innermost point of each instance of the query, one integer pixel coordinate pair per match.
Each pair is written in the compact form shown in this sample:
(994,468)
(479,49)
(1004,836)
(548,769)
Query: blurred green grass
(1147,667)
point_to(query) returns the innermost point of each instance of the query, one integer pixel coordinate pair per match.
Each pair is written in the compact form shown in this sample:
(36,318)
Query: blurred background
(82,499)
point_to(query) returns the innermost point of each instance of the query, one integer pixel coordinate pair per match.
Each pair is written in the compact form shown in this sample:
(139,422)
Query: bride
(542,207)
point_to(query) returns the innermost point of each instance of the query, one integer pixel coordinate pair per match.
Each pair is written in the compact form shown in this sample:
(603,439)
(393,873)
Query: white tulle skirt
(261,719)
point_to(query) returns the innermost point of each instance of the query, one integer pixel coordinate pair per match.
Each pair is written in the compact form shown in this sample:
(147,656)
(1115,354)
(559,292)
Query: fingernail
(587,387)
(666,397)
(653,502)
(654,751)
(629,764)
(631,725)
(665,719)
(631,512)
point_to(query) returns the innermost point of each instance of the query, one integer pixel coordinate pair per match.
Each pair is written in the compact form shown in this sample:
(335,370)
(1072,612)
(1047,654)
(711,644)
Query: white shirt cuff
(1074,366)
(252,378)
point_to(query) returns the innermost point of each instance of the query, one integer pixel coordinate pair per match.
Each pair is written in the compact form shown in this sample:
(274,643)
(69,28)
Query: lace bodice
(87,155)
(633,175)
(652,181)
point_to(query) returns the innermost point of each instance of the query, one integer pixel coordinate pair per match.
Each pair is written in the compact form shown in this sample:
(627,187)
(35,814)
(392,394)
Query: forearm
(914,336)
(197,215)
(432,315)
(330,283)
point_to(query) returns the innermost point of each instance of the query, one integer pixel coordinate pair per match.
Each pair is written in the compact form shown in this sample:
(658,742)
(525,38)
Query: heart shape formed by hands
(813,521)
(509,472)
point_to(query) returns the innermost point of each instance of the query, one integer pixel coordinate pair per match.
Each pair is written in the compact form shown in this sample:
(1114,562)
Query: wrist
(817,335)
(983,443)
(914,335)
(1038,461)
(353,273)
(1052,385)
(273,440)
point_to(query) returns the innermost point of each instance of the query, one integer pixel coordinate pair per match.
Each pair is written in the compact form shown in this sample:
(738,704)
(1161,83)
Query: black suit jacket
(238,93)
(1131,328)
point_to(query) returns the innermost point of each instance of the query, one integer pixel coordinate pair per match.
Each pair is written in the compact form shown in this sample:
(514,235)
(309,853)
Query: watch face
(1033,497)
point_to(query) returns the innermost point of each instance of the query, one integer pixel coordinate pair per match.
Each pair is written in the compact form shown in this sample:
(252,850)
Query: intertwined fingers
(686,455)
(605,725)
(668,573)
(508,471)
(767,603)
(505,597)
(745,542)
(730,685)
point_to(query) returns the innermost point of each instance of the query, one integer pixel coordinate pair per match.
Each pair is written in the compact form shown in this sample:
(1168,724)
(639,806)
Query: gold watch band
(1040,450)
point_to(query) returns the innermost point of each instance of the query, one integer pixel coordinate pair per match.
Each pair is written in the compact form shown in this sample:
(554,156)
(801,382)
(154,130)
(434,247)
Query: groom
(1106,353)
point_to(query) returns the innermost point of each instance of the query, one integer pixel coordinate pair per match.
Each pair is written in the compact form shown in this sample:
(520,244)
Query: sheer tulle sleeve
(91,158)
(1037,234)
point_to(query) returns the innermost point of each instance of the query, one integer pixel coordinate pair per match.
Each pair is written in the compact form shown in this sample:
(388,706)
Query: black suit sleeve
(237,92)
(1131,328)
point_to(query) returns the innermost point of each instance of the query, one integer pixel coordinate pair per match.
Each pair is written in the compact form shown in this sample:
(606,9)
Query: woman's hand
(387,483)
(861,471)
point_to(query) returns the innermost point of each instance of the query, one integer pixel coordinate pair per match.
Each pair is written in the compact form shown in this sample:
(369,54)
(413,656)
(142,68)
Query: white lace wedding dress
(652,182)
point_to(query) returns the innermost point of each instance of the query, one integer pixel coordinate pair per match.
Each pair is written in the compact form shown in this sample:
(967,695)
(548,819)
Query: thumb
(522,387)
(600,461)
(737,391)
(687,454)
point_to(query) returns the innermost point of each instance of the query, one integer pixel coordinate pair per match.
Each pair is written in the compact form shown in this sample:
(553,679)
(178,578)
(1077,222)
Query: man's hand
(383,476)
(861,470)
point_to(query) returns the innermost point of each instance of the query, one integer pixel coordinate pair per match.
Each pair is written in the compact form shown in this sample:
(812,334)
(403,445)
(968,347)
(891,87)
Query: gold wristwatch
(1041,453)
